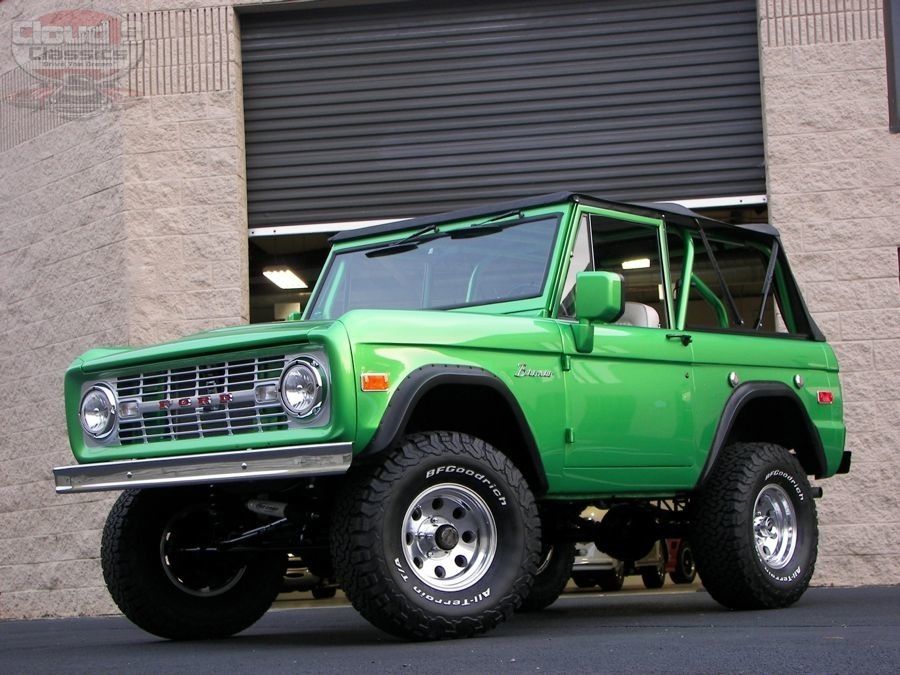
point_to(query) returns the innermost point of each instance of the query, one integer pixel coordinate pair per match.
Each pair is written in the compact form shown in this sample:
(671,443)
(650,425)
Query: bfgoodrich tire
(157,577)
(438,540)
(755,532)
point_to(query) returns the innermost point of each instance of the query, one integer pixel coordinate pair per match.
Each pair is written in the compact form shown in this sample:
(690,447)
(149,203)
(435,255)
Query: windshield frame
(557,213)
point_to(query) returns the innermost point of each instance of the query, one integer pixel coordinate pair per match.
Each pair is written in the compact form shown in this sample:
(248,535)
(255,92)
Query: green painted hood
(220,340)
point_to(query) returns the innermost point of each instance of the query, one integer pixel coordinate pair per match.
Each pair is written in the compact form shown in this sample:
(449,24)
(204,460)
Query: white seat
(639,314)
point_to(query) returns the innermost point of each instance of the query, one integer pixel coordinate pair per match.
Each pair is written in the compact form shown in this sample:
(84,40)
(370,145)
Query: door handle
(684,337)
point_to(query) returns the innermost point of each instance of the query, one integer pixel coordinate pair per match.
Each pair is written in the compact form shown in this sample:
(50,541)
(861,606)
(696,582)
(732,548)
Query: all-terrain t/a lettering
(484,595)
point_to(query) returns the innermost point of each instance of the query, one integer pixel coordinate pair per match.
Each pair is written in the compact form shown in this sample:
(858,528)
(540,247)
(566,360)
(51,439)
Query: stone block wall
(185,187)
(63,264)
(834,186)
(123,227)
(185,207)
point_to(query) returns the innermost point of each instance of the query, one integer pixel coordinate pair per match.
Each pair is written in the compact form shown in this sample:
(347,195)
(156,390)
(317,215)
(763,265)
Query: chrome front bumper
(220,467)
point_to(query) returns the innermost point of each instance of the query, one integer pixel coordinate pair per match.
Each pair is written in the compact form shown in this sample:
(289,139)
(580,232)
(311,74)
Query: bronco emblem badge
(524,371)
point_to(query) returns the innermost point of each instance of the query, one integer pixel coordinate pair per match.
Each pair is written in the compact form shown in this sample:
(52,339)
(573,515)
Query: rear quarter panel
(767,359)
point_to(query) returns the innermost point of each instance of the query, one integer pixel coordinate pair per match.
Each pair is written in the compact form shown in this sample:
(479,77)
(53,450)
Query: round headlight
(302,387)
(98,411)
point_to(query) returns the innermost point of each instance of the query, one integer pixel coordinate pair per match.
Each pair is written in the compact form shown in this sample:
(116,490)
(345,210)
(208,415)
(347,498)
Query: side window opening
(634,252)
(752,278)
(606,244)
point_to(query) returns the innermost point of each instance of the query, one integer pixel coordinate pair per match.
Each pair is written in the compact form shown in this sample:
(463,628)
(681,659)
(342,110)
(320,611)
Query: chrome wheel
(774,526)
(449,537)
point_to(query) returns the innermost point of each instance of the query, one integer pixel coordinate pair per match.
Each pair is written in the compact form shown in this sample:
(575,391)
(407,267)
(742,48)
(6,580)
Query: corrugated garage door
(401,109)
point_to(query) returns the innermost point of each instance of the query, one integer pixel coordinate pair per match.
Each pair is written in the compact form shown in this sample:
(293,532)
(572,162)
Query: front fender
(426,378)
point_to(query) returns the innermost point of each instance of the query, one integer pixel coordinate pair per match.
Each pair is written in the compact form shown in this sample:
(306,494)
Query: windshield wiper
(489,226)
(410,243)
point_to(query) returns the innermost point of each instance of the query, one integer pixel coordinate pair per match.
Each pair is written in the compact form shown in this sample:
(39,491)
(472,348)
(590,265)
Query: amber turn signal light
(375,382)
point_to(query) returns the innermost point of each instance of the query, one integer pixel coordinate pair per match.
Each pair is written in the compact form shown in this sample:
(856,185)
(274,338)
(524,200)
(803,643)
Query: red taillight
(825,397)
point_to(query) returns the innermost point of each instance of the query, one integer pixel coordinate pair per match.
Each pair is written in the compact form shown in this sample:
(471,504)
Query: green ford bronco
(459,389)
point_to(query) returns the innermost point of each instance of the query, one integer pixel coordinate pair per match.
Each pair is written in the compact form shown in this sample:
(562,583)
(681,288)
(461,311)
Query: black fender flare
(740,397)
(426,378)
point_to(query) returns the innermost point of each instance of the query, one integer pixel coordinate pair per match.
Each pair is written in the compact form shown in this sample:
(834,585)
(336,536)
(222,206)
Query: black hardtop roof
(670,211)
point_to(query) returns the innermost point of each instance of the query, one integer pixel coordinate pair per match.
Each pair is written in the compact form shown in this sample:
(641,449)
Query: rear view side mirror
(599,297)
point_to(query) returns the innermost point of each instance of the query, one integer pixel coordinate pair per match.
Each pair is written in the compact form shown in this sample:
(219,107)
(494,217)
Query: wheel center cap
(446,537)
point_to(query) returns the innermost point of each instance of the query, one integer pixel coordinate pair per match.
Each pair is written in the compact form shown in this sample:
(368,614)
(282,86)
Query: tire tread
(354,539)
(726,561)
(126,577)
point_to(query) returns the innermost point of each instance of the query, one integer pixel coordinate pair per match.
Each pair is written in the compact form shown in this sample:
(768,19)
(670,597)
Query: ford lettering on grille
(215,399)
(203,402)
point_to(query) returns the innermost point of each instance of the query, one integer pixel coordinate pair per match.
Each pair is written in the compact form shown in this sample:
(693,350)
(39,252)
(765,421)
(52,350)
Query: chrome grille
(183,403)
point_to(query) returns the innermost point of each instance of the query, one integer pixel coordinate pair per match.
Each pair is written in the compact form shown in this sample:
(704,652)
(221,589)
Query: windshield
(509,262)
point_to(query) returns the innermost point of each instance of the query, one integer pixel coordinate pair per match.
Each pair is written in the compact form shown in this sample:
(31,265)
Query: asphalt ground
(830,630)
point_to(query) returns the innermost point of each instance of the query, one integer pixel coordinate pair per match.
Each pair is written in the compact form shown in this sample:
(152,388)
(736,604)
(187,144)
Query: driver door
(629,401)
